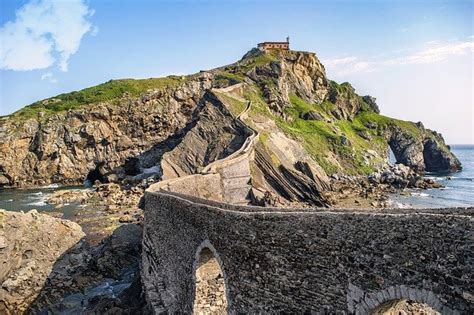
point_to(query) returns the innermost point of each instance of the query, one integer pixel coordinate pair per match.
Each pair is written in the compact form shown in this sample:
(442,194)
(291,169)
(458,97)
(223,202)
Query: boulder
(30,245)
(371,101)
(437,158)
(312,115)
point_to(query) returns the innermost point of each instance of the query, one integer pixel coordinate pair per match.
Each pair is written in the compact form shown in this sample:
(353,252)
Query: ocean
(28,199)
(458,188)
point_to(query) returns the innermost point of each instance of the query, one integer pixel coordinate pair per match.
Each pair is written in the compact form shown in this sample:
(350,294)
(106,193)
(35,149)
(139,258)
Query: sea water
(28,199)
(458,188)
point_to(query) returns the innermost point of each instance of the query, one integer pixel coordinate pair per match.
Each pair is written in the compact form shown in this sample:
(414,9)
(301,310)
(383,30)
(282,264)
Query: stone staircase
(227,179)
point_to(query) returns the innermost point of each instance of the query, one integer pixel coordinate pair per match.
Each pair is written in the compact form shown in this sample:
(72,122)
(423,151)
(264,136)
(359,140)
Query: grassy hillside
(110,91)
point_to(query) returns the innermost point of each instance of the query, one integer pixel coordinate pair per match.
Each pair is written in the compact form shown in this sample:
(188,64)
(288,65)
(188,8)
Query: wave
(399,205)
(470,179)
(37,203)
(416,194)
(50,186)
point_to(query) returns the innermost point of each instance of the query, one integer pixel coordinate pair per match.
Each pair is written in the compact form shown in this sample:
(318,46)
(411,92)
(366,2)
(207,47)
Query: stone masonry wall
(297,261)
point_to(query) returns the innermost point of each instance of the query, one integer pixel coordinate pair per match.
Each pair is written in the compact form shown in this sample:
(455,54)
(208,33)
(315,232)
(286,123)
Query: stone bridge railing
(307,260)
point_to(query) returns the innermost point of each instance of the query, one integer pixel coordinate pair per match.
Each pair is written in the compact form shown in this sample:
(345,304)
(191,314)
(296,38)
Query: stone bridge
(306,260)
(205,251)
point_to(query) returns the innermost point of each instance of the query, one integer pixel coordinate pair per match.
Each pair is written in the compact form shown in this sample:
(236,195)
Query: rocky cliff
(147,130)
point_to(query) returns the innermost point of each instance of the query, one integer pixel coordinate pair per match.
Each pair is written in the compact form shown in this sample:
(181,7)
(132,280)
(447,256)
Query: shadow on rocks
(102,279)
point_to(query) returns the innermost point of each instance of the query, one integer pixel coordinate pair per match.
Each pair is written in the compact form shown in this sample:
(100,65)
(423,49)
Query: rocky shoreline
(373,191)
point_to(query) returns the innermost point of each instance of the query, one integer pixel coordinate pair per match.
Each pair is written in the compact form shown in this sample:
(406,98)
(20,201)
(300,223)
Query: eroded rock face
(371,102)
(64,148)
(214,136)
(347,102)
(30,245)
(437,155)
(425,152)
(293,72)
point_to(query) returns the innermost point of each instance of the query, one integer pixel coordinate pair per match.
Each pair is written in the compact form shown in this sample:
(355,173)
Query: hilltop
(134,130)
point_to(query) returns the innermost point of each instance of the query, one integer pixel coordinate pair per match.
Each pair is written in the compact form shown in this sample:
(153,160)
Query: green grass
(109,91)
(321,137)
(384,121)
(257,61)
(236,106)
(229,78)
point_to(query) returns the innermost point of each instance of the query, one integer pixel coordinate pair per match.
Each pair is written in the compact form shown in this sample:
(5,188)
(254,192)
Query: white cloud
(434,51)
(44,33)
(340,61)
(349,65)
(49,76)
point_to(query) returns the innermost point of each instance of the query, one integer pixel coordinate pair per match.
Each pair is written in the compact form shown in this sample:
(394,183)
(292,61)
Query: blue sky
(416,57)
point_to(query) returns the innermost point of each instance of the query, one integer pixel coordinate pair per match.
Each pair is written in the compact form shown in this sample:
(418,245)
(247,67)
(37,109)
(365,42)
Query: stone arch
(371,303)
(402,306)
(210,294)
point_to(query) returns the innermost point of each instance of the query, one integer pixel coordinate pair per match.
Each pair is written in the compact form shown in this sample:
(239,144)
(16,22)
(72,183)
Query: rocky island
(270,130)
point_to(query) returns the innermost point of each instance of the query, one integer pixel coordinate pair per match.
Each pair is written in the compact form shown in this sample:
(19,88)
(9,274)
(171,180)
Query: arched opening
(94,175)
(392,159)
(404,307)
(210,292)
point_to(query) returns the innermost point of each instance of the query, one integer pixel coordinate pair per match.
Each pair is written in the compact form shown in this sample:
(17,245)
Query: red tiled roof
(273,43)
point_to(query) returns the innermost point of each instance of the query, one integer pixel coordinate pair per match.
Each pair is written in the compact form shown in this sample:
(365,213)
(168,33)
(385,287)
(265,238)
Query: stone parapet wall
(303,260)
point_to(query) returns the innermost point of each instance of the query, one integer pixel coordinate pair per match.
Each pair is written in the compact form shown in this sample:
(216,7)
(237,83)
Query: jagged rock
(65,147)
(31,244)
(371,101)
(312,115)
(293,72)
(365,135)
(423,151)
(346,100)
(371,125)
(437,157)
(213,136)
(69,196)
(345,141)
(119,252)
(407,149)
(288,183)
(4,181)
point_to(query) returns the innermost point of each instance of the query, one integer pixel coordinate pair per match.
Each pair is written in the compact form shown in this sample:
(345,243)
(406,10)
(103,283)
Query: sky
(415,57)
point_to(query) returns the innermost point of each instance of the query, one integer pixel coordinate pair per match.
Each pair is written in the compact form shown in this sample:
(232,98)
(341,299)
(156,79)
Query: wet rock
(69,196)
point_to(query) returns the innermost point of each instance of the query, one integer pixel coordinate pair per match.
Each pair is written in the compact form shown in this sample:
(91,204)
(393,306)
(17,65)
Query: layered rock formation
(69,145)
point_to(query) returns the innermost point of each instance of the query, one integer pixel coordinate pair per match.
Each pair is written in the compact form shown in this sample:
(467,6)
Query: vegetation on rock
(105,92)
